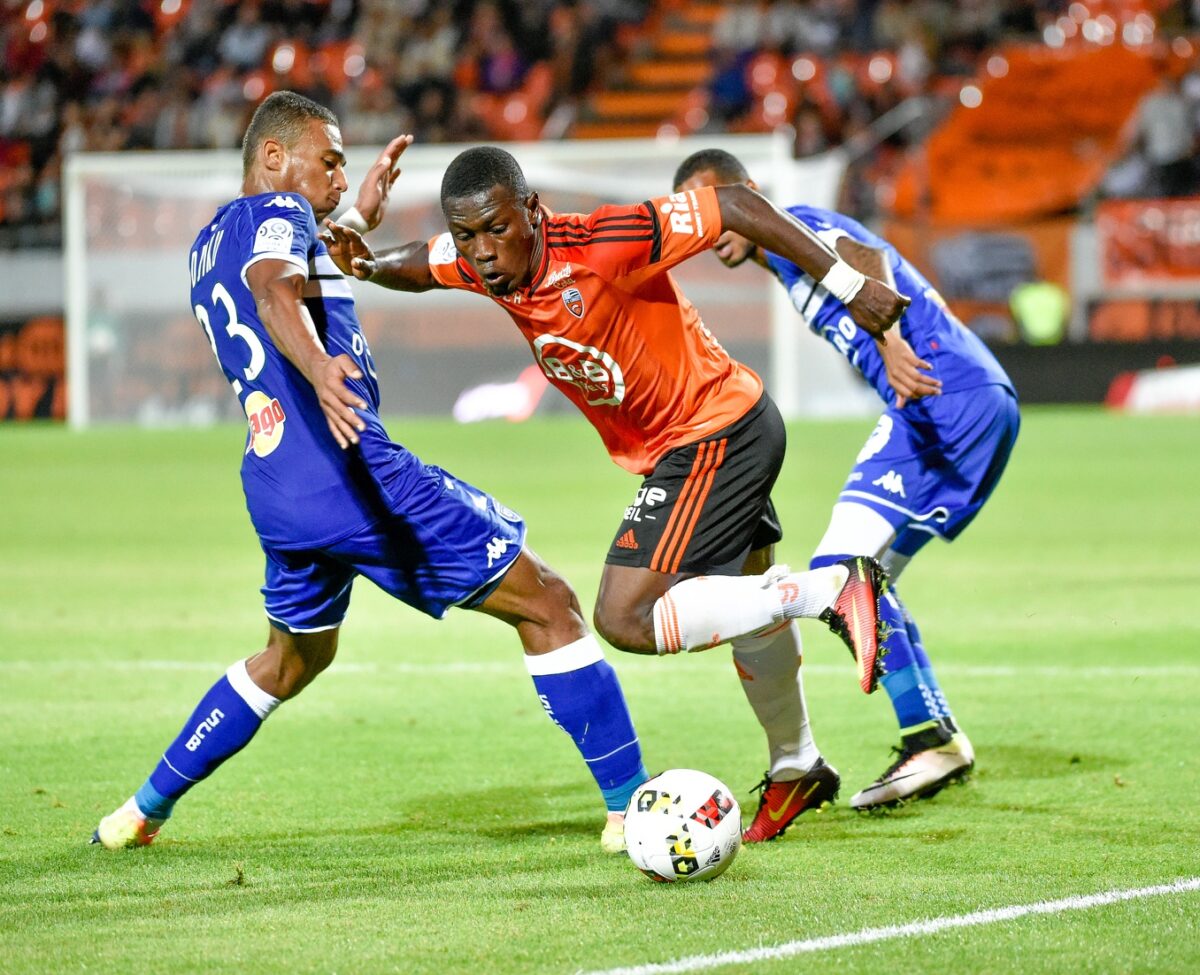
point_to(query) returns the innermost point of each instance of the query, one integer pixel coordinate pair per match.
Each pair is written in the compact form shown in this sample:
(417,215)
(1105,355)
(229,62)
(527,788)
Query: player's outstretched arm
(873,305)
(372,200)
(403,268)
(278,290)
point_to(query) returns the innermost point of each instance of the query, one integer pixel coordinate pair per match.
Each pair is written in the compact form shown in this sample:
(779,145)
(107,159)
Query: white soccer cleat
(126,827)
(922,769)
(612,840)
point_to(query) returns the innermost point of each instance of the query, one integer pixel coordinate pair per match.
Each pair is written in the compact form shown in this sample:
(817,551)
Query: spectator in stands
(1167,138)
(737,35)
(243,45)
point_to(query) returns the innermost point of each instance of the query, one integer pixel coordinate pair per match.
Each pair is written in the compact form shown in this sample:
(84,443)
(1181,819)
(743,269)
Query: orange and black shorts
(707,505)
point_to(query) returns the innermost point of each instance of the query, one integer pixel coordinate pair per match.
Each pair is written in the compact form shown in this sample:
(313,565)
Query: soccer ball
(683,825)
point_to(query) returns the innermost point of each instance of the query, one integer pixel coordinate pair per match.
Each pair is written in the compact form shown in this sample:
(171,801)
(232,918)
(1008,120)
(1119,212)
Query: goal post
(136,355)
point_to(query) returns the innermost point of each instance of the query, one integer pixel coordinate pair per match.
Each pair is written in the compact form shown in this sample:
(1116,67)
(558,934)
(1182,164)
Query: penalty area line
(699,963)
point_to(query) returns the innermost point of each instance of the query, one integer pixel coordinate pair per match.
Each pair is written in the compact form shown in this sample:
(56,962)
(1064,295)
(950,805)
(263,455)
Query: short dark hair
(478,170)
(725,165)
(283,115)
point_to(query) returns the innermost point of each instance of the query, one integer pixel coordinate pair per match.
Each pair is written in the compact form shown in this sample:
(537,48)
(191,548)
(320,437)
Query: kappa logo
(496,549)
(891,482)
(284,201)
(573,299)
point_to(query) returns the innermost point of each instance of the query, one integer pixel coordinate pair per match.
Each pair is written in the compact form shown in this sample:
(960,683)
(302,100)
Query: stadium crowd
(176,74)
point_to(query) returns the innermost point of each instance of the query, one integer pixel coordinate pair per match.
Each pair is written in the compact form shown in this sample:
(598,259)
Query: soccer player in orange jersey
(690,565)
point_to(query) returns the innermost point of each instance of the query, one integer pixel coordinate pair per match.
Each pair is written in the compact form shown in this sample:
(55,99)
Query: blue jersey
(302,490)
(959,358)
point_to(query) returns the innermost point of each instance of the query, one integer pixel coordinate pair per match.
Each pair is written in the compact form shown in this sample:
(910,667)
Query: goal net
(135,354)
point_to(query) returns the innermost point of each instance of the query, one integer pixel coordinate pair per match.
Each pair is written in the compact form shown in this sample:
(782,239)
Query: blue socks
(224,721)
(576,685)
(581,694)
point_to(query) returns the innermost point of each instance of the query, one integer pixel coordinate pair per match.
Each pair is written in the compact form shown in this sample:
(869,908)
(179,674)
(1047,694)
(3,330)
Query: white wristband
(843,282)
(355,220)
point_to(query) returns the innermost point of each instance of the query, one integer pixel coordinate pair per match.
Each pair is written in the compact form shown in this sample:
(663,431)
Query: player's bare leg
(576,685)
(227,717)
(642,611)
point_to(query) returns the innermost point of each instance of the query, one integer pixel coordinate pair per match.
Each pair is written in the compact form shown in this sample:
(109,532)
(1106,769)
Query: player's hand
(338,401)
(876,307)
(904,370)
(373,193)
(349,251)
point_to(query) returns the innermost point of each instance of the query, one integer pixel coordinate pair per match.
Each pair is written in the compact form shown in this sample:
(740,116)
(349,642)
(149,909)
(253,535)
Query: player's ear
(273,155)
(534,206)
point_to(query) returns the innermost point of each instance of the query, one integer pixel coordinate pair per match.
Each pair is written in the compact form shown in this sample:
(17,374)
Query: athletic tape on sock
(573,656)
(260,702)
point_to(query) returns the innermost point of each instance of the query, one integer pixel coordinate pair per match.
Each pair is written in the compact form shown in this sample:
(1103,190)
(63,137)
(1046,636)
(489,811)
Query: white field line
(698,963)
(512,667)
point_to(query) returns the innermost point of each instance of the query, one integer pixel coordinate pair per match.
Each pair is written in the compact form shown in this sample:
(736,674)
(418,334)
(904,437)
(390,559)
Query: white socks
(258,700)
(702,612)
(769,666)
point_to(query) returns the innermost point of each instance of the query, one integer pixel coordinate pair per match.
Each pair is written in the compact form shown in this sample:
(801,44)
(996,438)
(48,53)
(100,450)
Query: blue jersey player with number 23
(331,497)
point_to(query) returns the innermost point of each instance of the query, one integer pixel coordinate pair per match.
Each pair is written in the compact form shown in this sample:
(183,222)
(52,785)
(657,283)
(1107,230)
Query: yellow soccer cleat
(612,840)
(126,827)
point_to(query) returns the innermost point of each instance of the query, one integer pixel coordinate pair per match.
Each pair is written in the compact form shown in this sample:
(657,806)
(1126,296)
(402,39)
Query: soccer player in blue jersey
(933,459)
(332,497)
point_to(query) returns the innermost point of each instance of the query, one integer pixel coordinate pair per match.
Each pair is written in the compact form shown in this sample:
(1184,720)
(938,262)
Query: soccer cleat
(854,616)
(926,763)
(781,802)
(612,840)
(126,827)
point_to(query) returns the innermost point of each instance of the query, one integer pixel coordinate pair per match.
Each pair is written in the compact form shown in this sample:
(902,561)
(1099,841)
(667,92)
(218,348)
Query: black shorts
(706,506)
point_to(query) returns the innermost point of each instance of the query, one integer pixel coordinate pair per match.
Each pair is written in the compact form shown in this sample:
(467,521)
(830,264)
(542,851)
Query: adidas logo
(627,540)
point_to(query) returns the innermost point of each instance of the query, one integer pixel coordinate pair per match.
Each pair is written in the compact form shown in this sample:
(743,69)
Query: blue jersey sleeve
(285,229)
(958,358)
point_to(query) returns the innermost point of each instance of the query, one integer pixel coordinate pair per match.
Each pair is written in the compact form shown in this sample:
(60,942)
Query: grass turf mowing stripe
(1079,902)
(500,667)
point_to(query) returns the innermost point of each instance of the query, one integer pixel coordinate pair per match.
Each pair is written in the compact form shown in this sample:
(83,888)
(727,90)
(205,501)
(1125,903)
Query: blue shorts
(928,468)
(448,544)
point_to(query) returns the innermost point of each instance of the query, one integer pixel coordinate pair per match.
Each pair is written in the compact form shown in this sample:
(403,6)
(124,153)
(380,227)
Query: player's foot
(612,840)
(926,762)
(126,827)
(854,616)
(781,802)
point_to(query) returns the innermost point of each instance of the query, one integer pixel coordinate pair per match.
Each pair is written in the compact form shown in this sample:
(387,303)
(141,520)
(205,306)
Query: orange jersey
(611,329)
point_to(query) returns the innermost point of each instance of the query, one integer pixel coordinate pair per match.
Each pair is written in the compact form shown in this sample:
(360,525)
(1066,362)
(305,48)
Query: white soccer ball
(683,825)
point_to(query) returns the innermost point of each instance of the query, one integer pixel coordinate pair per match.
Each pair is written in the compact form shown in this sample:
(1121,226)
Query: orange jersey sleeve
(658,234)
(447,268)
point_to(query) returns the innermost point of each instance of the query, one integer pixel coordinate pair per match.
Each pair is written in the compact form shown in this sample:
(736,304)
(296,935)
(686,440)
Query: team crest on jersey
(266,417)
(573,299)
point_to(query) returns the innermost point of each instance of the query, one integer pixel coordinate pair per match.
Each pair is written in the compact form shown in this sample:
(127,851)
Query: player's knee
(625,627)
(291,662)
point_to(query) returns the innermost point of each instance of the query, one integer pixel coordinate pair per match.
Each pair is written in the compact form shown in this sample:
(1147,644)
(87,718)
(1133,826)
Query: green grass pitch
(414,811)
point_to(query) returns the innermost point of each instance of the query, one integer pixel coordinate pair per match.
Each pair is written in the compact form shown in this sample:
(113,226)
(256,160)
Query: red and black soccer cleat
(781,802)
(854,616)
